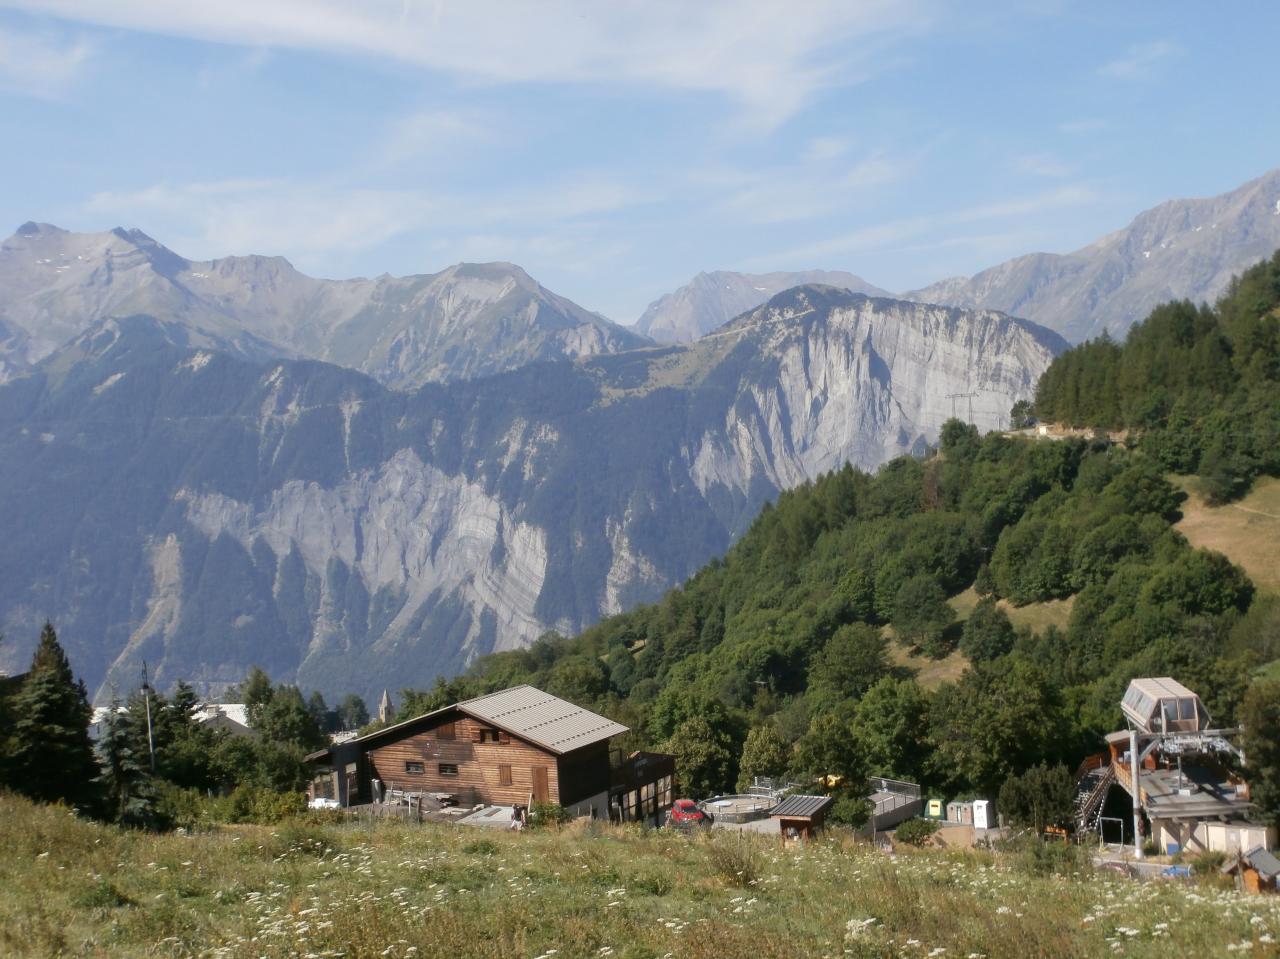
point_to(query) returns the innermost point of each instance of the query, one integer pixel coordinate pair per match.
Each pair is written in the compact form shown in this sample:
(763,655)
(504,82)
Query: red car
(686,812)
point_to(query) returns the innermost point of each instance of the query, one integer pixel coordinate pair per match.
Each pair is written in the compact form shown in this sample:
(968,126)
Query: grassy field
(929,673)
(1038,616)
(77,889)
(1247,532)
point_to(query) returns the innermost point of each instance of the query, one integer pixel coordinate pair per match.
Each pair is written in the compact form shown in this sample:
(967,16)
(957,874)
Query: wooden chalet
(513,747)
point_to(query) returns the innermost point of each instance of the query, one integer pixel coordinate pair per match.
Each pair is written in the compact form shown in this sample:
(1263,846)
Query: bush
(733,860)
(255,804)
(851,811)
(1209,862)
(1039,857)
(915,832)
(543,814)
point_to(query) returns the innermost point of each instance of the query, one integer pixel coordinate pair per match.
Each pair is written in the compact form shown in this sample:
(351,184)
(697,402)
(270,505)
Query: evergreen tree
(1041,797)
(352,712)
(52,757)
(127,786)
(256,693)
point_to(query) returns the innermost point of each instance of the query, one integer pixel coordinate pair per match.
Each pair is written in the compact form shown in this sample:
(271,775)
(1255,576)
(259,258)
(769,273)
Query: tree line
(1197,384)
(155,763)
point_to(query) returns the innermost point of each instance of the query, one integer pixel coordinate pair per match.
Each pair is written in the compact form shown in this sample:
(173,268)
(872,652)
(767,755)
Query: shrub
(851,811)
(1209,862)
(914,832)
(258,805)
(736,860)
(103,894)
(543,814)
(1031,854)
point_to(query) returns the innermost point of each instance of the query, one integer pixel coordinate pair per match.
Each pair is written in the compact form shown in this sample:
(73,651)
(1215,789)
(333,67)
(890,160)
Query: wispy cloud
(770,58)
(322,222)
(433,133)
(904,234)
(41,64)
(809,189)
(1140,60)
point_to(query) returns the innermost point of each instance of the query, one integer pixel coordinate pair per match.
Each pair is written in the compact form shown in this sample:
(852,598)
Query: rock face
(1182,249)
(207,512)
(468,320)
(710,300)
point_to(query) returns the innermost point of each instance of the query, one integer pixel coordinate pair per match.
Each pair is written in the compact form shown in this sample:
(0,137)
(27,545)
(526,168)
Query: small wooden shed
(1257,870)
(800,817)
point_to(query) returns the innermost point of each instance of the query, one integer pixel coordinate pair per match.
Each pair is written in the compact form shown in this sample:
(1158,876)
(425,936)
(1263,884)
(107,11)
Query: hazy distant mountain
(710,300)
(1182,249)
(207,512)
(468,320)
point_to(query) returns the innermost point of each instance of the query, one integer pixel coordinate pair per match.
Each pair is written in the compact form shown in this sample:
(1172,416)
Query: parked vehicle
(686,812)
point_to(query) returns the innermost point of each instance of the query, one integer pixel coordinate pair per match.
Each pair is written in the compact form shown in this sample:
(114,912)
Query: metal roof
(1265,862)
(542,719)
(525,711)
(799,807)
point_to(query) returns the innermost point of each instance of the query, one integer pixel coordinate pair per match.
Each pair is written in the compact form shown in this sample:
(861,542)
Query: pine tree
(126,782)
(52,758)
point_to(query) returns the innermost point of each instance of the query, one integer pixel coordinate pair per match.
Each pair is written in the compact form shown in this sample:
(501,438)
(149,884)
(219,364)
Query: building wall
(584,773)
(479,764)
(1232,837)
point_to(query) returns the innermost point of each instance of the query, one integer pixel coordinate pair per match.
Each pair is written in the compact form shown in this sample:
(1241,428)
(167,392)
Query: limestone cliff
(208,512)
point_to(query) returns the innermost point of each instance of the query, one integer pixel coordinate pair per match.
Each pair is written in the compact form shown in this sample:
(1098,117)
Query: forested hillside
(780,657)
(1201,385)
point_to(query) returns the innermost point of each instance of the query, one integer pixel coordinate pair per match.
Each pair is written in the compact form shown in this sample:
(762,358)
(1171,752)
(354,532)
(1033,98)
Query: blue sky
(615,149)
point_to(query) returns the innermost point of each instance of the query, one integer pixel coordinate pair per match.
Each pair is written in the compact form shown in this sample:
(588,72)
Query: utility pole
(146,696)
(961,396)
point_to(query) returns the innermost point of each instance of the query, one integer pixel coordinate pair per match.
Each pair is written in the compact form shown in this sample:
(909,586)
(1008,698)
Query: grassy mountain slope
(1077,543)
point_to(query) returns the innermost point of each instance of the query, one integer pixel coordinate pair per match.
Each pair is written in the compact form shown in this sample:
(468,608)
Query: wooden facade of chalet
(457,754)
(514,747)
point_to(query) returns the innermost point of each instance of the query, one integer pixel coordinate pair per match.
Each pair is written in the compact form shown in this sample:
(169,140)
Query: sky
(616,149)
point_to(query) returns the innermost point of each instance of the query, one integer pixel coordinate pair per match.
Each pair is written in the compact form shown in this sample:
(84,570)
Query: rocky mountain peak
(710,300)
(1180,249)
(470,319)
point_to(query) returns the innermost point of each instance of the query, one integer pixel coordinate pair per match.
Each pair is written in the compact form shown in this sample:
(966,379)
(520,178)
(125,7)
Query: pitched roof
(542,719)
(801,806)
(1265,862)
(525,711)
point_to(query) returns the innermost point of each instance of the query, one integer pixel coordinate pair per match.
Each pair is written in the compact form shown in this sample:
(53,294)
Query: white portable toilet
(983,814)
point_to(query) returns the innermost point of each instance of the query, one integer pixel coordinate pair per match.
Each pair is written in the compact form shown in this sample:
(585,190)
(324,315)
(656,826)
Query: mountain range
(1182,249)
(710,300)
(206,511)
(220,463)
(471,319)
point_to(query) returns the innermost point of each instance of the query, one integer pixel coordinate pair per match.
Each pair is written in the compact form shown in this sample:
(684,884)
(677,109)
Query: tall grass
(389,889)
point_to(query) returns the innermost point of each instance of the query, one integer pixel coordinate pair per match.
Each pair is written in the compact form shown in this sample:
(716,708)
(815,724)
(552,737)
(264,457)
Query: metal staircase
(1093,780)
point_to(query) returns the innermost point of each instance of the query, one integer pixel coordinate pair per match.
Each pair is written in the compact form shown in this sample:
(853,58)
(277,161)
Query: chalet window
(447,731)
(504,775)
(411,767)
(491,736)
(448,769)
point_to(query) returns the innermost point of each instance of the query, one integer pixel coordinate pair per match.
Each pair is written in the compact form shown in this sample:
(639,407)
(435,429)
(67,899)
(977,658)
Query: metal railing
(898,786)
